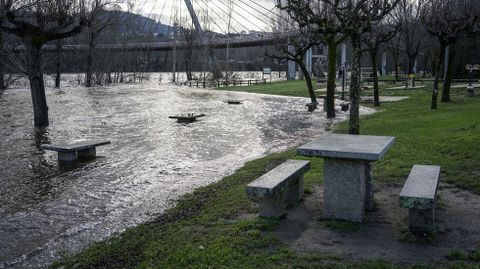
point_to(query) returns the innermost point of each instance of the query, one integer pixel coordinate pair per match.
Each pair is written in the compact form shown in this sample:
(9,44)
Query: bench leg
(272,207)
(295,192)
(66,157)
(421,220)
(471,92)
(87,153)
(345,187)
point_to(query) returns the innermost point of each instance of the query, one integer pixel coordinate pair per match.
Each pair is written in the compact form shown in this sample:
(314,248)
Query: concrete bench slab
(281,185)
(71,152)
(419,196)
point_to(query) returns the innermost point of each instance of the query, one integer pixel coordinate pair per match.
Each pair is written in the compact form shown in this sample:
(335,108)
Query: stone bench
(419,196)
(324,97)
(280,186)
(71,152)
(471,90)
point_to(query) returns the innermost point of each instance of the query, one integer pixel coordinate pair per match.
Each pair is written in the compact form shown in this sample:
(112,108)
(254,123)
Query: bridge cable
(240,23)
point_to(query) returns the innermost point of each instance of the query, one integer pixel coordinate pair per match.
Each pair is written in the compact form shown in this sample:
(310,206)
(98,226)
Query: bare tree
(58,65)
(356,17)
(37,22)
(378,33)
(191,38)
(320,17)
(293,43)
(11,67)
(395,48)
(99,20)
(3,85)
(448,20)
(408,14)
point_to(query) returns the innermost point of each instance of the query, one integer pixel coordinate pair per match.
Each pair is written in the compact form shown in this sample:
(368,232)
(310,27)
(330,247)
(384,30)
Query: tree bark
(59,64)
(354,126)
(308,80)
(3,86)
(89,69)
(332,69)
(2,78)
(376,91)
(447,83)
(395,62)
(33,57)
(438,74)
(411,63)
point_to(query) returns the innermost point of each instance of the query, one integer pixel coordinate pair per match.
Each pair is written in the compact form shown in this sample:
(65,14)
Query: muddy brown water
(47,209)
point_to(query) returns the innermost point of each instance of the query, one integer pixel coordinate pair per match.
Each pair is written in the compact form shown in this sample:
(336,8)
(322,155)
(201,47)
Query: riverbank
(216,227)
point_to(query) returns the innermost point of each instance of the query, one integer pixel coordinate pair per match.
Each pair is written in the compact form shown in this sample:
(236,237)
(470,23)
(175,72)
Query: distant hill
(140,24)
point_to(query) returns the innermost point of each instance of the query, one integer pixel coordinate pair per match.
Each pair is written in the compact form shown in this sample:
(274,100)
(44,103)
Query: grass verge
(213,227)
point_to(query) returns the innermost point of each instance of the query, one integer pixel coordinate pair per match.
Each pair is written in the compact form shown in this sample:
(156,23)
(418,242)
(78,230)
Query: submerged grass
(215,227)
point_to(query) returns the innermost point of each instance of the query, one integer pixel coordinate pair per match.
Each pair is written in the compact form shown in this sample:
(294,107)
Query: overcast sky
(243,16)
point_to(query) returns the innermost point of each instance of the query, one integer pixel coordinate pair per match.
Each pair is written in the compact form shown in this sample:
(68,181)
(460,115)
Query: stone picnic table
(347,171)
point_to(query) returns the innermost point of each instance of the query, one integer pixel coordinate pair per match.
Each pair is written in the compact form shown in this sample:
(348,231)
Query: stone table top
(75,146)
(344,146)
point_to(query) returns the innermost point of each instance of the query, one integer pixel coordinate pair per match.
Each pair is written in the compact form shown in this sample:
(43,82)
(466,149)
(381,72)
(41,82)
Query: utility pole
(344,69)
(174,70)
(384,64)
(291,67)
(212,60)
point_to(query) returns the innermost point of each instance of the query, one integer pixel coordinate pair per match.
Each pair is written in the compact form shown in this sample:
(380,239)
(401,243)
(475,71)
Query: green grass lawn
(206,228)
(287,88)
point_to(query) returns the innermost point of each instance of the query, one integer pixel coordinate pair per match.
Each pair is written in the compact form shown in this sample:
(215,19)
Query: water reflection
(46,208)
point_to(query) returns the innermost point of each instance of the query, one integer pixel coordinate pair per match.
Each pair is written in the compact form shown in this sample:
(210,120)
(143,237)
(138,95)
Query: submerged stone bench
(71,152)
(419,195)
(280,186)
(312,106)
(345,106)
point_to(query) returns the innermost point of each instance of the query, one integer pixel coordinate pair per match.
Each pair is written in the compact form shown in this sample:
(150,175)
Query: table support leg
(87,153)
(346,191)
(66,157)
(369,201)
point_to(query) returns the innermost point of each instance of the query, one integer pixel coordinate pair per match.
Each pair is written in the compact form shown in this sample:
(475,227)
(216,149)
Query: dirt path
(383,235)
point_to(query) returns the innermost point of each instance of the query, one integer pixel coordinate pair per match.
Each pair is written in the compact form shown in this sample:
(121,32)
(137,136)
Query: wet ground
(384,233)
(47,210)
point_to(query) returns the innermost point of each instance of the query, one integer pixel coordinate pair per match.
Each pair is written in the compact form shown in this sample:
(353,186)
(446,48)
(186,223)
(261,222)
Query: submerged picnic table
(347,174)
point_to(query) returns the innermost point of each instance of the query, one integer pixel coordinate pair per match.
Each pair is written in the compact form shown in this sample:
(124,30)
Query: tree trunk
(332,69)
(33,57)
(395,62)
(3,86)
(438,74)
(411,63)
(2,78)
(308,80)
(59,64)
(89,70)
(354,126)
(376,91)
(447,83)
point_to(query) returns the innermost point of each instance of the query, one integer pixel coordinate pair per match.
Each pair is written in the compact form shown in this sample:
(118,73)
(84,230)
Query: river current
(47,210)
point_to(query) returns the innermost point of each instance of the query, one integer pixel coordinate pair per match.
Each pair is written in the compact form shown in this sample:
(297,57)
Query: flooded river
(47,209)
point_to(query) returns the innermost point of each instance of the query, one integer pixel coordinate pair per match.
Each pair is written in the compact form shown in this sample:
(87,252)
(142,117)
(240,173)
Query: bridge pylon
(212,60)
